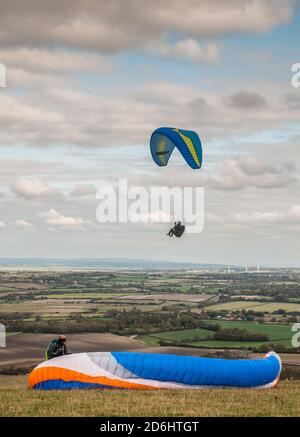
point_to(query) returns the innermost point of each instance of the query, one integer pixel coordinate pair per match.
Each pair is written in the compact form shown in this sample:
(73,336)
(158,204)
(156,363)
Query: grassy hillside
(280,401)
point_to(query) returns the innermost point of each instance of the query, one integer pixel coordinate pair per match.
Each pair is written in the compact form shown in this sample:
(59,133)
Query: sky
(88,82)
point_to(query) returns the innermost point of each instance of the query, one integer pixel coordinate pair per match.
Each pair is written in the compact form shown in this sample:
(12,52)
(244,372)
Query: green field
(274,331)
(8,289)
(254,305)
(280,401)
(185,334)
(222,344)
(278,334)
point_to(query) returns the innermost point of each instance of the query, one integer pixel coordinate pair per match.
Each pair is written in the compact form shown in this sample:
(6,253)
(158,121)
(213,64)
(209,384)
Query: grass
(280,401)
(238,344)
(274,331)
(254,305)
(278,334)
(8,289)
(149,340)
(185,334)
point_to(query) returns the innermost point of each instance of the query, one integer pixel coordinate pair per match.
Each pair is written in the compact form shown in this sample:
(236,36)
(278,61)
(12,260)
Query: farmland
(200,313)
(179,309)
(278,335)
(257,306)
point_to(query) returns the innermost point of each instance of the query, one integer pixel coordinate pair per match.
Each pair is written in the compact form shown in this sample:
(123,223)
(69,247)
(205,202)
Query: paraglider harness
(177,230)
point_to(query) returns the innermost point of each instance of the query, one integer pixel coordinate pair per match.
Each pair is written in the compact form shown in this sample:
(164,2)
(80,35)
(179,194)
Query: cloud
(292,101)
(125,116)
(2,224)
(187,50)
(158,216)
(81,190)
(246,172)
(35,189)
(21,223)
(289,217)
(246,100)
(89,25)
(213,219)
(55,220)
(39,60)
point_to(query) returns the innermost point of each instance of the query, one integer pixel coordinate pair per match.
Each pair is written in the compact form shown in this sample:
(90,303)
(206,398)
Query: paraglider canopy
(164,139)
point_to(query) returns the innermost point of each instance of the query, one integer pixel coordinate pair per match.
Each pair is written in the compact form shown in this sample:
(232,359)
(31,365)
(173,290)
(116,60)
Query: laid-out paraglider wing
(137,370)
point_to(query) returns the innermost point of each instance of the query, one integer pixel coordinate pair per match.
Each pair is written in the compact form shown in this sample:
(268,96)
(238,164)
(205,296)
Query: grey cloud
(45,60)
(89,24)
(247,172)
(227,175)
(246,100)
(251,165)
(292,101)
(59,116)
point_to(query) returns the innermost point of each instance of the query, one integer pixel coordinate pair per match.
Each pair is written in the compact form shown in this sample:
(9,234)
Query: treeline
(236,334)
(124,323)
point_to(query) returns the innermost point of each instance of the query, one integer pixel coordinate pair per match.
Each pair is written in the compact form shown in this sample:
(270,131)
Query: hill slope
(280,401)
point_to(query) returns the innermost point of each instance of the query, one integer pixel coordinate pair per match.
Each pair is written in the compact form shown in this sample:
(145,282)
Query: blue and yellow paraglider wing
(164,139)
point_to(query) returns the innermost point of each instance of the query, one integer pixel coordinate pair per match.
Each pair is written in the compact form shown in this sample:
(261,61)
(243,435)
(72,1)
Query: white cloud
(21,223)
(289,217)
(151,217)
(35,189)
(2,224)
(81,190)
(39,61)
(213,219)
(188,49)
(55,220)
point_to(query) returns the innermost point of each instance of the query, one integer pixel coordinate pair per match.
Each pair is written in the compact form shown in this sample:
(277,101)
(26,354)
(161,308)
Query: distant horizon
(119,262)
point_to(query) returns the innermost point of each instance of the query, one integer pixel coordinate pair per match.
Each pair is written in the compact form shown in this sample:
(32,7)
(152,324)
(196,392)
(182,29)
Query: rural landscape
(149,214)
(213,312)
